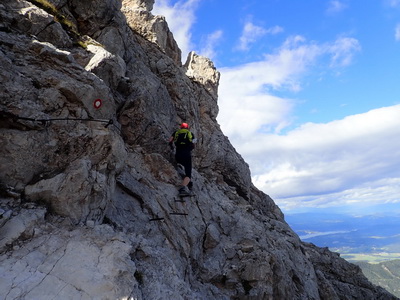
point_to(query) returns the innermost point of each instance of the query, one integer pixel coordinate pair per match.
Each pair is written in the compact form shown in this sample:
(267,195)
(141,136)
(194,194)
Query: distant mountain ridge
(366,236)
(370,241)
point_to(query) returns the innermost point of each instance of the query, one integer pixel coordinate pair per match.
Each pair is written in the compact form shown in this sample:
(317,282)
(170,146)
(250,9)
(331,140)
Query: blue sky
(309,94)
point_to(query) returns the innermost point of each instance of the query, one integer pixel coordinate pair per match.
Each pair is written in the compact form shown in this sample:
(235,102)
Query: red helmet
(185,125)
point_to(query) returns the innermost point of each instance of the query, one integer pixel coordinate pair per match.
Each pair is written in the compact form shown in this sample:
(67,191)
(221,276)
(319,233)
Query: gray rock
(88,194)
(110,68)
(153,28)
(21,226)
(70,264)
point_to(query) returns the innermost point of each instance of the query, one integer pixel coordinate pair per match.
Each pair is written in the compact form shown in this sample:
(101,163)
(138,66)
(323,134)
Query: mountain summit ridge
(91,92)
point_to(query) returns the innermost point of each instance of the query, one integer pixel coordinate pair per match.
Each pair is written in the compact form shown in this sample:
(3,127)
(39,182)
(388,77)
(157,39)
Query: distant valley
(372,238)
(370,241)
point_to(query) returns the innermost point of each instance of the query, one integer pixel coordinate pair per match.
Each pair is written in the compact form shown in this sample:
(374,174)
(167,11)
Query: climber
(184,141)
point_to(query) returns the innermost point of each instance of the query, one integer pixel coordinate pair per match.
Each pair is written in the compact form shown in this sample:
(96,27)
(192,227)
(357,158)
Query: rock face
(90,92)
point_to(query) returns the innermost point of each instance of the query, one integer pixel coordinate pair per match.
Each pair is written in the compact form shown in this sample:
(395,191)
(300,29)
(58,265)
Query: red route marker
(97,103)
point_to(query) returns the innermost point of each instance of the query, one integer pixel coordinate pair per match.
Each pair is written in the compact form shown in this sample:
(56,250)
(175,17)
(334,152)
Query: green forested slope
(385,274)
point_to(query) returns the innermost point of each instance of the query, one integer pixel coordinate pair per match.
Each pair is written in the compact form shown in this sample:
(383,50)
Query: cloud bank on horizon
(350,155)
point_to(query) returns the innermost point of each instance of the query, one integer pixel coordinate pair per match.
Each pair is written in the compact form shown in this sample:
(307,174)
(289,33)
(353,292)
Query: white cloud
(246,91)
(336,6)
(251,33)
(343,51)
(397,32)
(351,160)
(337,163)
(180,18)
(210,43)
(393,3)
(368,194)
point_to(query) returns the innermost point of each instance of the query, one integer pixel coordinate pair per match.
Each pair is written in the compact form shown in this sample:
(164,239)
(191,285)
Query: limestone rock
(146,5)
(153,28)
(88,184)
(70,264)
(202,70)
(20,226)
(35,21)
(75,193)
(110,68)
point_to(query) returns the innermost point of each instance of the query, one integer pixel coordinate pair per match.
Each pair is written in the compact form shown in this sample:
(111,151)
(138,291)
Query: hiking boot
(183,191)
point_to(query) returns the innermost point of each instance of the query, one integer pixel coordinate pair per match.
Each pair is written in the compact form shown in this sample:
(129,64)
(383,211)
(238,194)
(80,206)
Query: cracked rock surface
(74,263)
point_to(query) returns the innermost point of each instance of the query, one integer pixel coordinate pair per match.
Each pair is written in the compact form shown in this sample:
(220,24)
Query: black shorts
(185,159)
